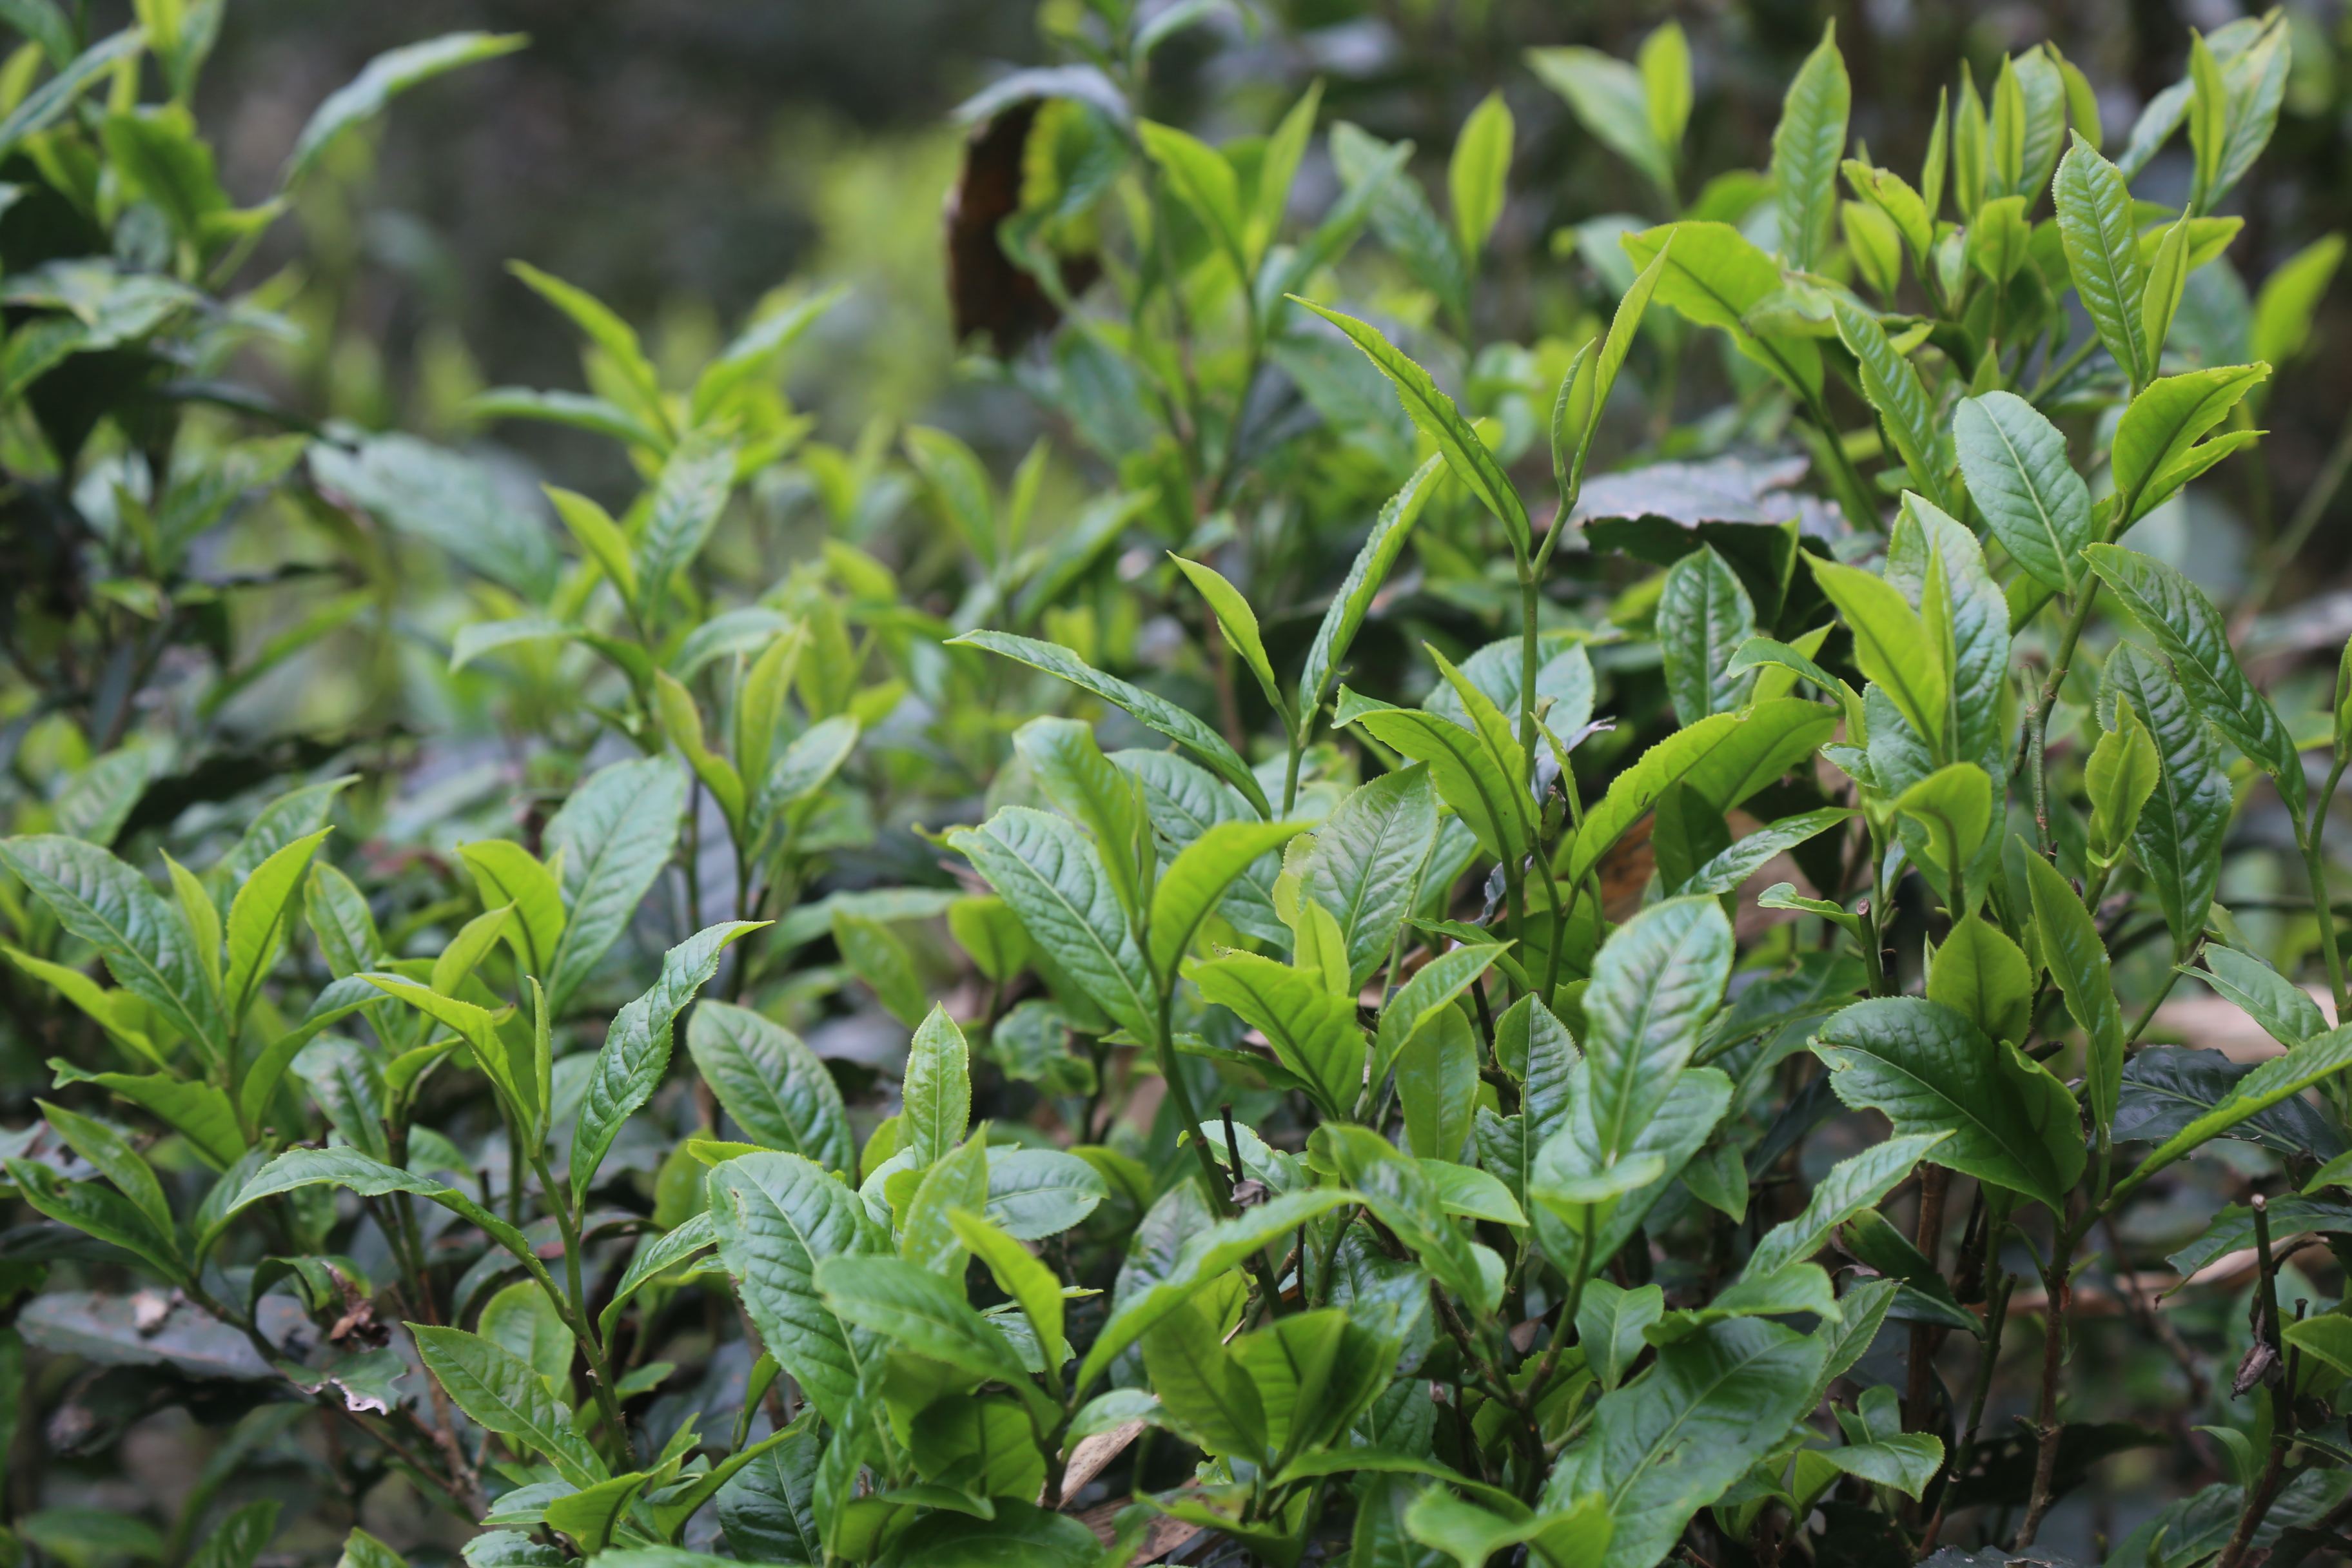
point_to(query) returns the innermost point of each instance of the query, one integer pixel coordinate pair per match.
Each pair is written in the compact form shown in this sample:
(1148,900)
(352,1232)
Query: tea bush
(1445,1018)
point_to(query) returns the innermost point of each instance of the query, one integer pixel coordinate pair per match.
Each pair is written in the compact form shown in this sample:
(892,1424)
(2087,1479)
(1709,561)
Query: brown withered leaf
(358,1324)
(990,296)
(2261,1365)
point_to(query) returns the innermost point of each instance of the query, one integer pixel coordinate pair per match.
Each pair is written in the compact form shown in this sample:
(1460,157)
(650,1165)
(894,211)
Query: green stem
(2315,862)
(2047,1428)
(1988,1363)
(600,1372)
(1222,484)
(1872,935)
(2037,725)
(1562,910)
(2182,955)
(1531,596)
(694,855)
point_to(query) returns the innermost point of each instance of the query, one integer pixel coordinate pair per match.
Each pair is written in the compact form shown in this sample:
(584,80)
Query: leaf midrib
(2059,553)
(1143,1008)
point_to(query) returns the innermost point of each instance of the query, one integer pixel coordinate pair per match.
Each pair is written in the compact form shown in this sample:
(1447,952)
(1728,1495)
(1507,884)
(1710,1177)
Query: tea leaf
(776,1215)
(2037,505)
(614,835)
(1476,177)
(636,1054)
(1704,616)
(502,1394)
(1930,1072)
(773,1085)
(1153,712)
(2185,624)
(1434,414)
(1806,147)
(1055,882)
(2095,226)
(146,946)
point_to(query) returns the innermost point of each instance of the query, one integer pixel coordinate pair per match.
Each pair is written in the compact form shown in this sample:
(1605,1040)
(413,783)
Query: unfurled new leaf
(1807,146)
(2101,246)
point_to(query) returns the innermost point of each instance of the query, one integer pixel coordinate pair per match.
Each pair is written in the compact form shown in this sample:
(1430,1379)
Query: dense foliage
(1274,984)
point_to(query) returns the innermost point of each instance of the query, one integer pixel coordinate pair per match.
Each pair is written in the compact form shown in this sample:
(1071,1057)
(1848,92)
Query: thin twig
(2047,1426)
(2279,1373)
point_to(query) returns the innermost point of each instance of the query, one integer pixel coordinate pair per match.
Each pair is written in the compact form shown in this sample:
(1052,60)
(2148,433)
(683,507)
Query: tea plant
(1669,1070)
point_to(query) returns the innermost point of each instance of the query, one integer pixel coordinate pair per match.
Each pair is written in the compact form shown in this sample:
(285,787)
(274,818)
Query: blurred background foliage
(683,160)
(680,158)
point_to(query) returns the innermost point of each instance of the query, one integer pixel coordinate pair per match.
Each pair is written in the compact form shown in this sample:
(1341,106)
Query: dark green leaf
(2166,1088)
(1608,101)
(1344,615)
(504,1395)
(1195,881)
(387,77)
(1482,787)
(1727,871)
(767,1507)
(776,1215)
(1891,384)
(1433,413)
(1610,1323)
(1368,859)
(1981,974)
(1856,1183)
(145,944)
(1203,1257)
(2272,1084)
(2077,960)
(636,1053)
(47,103)
(2285,1010)
(615,835)
(2102,245)
(1311,1029)
(2183,622)
(770,1083)
(1654,984)
(2156,449)
(1666,1445)
(937,1090)
(1704,617)
(913,1308)
(1931,1070)
(1053,879)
